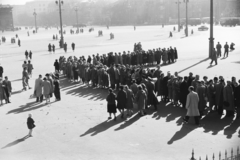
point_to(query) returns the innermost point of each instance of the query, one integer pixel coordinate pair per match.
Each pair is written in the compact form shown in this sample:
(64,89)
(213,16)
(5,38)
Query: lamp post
(186,1)
(35,15)
(60,3)
(76,10)
(211,39)
(178,3)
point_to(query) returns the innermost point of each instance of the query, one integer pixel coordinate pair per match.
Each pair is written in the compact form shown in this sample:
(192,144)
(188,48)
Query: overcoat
(192,104)
(121,99)
(141,99)
(228,96)
(38,88)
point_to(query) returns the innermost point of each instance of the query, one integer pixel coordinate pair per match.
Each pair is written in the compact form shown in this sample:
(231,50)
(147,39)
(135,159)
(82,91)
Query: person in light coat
(192,106)
(46,89)
(38,89)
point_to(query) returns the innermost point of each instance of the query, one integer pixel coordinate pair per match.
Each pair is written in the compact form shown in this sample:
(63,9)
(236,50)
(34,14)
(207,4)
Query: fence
(225,156)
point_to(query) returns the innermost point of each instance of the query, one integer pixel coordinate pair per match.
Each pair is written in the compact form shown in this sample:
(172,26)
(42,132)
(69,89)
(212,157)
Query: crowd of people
(139,84)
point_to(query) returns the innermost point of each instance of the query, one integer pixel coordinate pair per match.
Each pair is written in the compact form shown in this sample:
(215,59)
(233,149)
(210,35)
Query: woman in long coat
(130,96)
(159,87)
(121,100)
(56,89)
(152,98)
(111,104)
(141,99)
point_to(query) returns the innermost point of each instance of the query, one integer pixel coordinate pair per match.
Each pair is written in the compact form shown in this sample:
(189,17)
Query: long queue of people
(138,84)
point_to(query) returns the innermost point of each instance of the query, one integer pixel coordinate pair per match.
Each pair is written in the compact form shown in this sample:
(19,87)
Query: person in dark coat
(184,91)
(30,54)
(53,48)
(30,124)
(56,65)
(175,54)
(214,57)
(238,99)
(65,47)
(226,50)
(75,72)
(165,88)
(56,89)
(121,100)
(73,46)
(26,54)
(19,42)
(1,71)
(111,104)
(49,48)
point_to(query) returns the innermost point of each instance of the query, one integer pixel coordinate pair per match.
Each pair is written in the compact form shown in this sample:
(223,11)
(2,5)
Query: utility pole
(178,3)
(211,39)
(35,15)
(186,1)
(60,3)
(76,10)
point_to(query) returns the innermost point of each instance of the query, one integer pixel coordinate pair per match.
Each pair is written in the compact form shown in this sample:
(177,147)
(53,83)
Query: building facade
(6,17)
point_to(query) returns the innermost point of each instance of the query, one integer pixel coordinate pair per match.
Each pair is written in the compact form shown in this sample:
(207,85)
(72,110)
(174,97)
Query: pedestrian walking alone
(73,46)
(30,124)
(49,48)
(214,57)
(226,48)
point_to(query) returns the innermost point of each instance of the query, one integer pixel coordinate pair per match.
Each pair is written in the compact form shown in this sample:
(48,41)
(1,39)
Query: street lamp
(35,15)
(186,1)
(60,3)
(211,39)
(178,3)
(76,10)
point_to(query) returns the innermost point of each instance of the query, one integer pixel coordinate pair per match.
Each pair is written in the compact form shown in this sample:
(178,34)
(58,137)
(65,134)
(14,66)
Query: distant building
(6,17)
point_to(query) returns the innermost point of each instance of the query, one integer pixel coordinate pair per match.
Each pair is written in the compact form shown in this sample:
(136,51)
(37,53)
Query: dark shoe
(109,117)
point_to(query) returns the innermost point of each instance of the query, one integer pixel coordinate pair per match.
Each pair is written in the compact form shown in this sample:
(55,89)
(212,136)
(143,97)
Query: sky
(15,2)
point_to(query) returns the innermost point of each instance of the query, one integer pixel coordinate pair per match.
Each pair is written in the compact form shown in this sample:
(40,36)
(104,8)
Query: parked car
(203,28)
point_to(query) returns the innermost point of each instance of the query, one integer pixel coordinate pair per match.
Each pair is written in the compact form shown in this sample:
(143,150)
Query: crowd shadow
(184,131)
(193,65)
(212,122)
(231,129)
(29,107)
(16,142)
(102,127)
(16,92)
(168,111)
(129,122)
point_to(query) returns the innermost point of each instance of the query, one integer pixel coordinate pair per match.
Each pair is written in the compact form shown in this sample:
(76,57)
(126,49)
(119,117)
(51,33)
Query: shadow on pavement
(231,129)
(16,142)
(194,65)
(129,122)
(184,131)
(29,106)
(102,127)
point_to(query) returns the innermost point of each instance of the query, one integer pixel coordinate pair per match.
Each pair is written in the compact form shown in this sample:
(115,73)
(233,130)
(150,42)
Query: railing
(232,156)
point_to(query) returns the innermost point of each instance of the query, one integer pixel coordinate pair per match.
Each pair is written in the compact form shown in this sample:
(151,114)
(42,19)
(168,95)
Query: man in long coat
(165,88)
(38,89)
(192,106)
(219,96)
(202,94)
(8,89)
(214,57)
(228,96)
(121,100)
(111,73)
(141,98)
